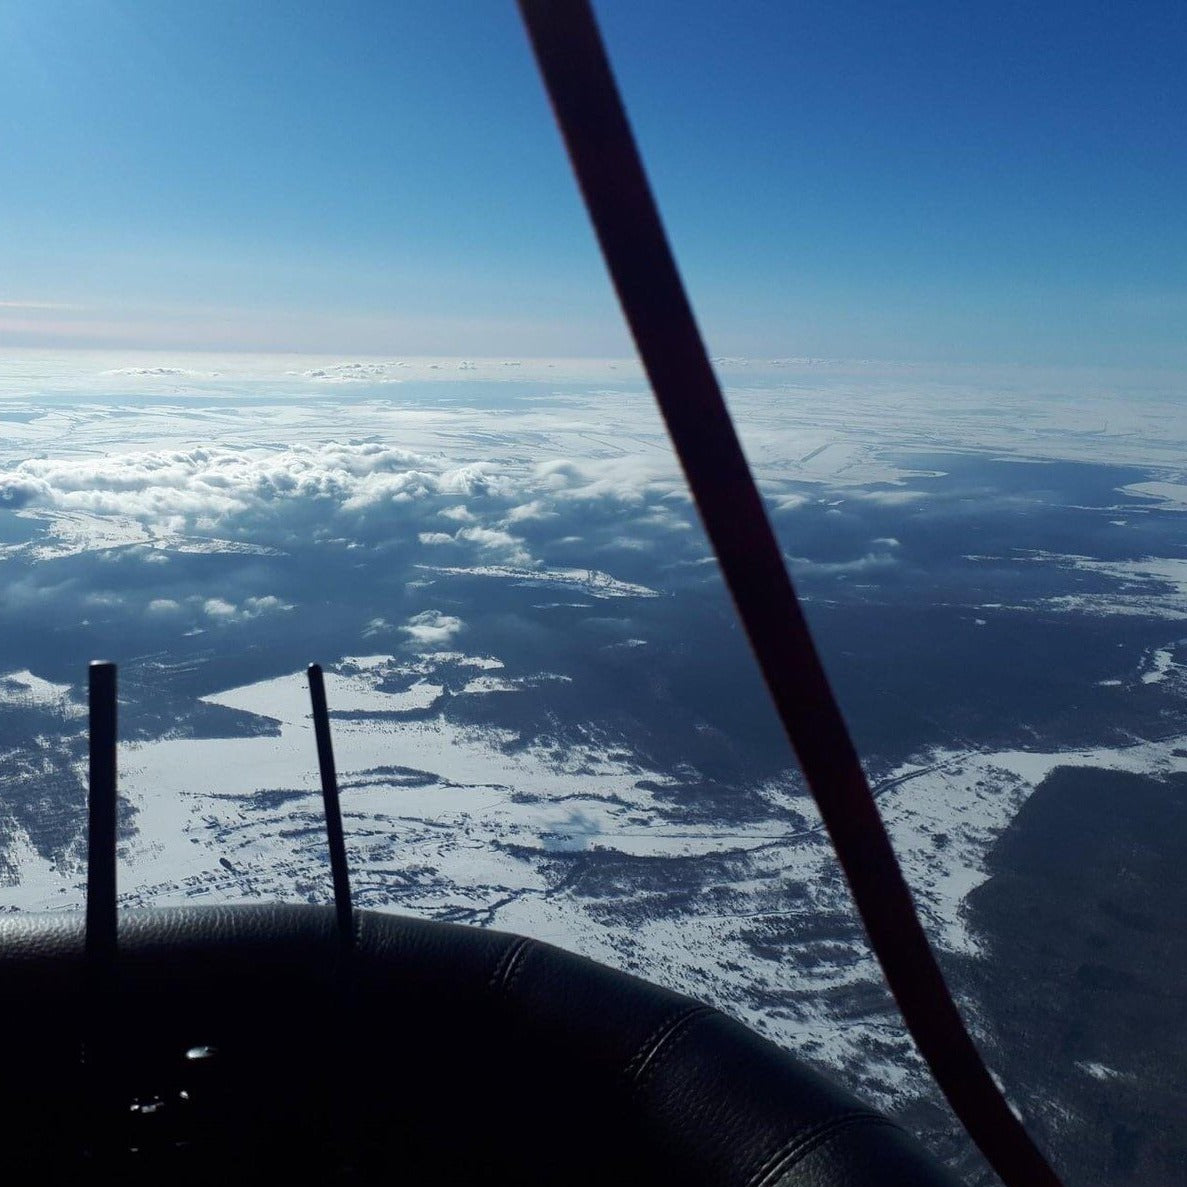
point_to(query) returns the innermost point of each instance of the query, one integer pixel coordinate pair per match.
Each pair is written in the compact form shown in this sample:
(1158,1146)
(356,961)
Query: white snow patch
(23,688)
(591,581)
(481,684)
(1162,662)
(1172,495)
(1100,1071)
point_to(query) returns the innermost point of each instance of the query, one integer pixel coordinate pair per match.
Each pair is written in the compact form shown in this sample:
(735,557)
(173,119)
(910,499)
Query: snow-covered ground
(554,475)
(452,821)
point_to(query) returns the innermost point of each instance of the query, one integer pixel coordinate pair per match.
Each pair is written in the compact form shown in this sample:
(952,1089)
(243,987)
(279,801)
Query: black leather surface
(434,1052)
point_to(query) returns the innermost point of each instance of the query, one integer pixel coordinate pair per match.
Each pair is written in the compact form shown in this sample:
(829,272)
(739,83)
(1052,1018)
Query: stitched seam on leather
(504,957)
(804,1143)
(647,1047)
(507,961)
(670,1032)
(519,964)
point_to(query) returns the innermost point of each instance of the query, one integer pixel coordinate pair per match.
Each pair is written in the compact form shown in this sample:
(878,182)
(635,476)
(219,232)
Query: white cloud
(490,542)
(231,493)
(153,371)
(432,628)
(880,556)
(18,490)
(269,604)
(355,373)
(536,509)
(212,485)
(495,540)
(222,610)
(791,502)
(628,479)
(887,498)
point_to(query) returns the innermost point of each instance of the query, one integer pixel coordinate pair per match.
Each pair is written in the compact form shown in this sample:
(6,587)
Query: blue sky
(998,182)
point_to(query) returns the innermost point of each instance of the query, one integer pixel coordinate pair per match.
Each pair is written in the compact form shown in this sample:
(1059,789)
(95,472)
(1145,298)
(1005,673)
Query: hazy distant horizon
(726,364)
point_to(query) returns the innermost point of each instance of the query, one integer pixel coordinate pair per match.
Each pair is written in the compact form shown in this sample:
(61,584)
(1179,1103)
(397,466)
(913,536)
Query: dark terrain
(1085,987)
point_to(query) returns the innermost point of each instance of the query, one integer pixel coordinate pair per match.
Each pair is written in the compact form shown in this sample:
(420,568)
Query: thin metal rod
(99,1023)
(101,824)
(329,791)
(605,159)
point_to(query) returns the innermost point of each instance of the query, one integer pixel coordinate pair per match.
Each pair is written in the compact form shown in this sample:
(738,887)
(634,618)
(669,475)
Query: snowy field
(172,512)
(443,821)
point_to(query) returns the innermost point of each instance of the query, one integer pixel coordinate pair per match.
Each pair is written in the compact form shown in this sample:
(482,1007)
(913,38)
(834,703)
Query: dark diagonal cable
(588,108)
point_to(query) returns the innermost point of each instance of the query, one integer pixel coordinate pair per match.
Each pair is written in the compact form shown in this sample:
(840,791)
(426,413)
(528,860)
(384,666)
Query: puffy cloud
(432,628)
(880,555)
(355,490)
(283,498)
(217,484)
(355,373)
(887,498)
(222,610)
(791,502)
(628,480)
(153,371)
(19,490)
(494,540)
(491,542)
(536,509)
(269,604)
(480,478)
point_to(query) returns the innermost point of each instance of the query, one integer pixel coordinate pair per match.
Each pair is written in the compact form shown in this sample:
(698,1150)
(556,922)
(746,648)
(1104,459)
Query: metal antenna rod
(99,1026)
(329,791)
(101,812)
